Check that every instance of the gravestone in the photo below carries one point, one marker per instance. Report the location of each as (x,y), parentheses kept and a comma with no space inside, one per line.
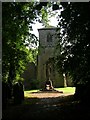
(18,92)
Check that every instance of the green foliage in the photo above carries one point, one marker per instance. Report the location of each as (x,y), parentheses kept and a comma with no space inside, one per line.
(18,41)
(74,43)
(42,8)
(44,16)
(17,19)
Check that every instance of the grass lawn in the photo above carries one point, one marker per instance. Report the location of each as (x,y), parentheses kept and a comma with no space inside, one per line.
(65,90)
(27,92)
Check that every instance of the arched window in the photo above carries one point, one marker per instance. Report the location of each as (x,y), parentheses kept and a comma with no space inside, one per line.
(49,37)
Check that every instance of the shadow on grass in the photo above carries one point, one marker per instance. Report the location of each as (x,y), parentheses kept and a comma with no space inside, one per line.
(60,108)
(30,101)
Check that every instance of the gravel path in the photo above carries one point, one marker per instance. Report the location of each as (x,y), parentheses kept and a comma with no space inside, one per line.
(42,106)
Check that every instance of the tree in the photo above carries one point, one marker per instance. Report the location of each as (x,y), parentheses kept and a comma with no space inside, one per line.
(17,19)
(17,22)
(74,43)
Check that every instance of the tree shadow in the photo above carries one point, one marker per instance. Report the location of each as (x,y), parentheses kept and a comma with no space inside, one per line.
(60,108)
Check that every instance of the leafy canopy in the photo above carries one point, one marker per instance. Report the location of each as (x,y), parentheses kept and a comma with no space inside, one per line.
(17,22)
(73,50)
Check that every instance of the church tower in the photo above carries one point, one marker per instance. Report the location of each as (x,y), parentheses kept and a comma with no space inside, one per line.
(46,68)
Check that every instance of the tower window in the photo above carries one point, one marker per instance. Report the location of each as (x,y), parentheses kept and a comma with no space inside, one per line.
(49,37)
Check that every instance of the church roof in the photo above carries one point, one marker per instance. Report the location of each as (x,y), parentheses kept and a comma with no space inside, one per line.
(48,28)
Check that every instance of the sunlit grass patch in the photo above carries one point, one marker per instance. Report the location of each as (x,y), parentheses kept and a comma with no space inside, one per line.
(67,89)
(28,97)
(28,92)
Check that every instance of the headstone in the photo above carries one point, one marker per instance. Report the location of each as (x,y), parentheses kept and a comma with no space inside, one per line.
(4,94)
(18,93)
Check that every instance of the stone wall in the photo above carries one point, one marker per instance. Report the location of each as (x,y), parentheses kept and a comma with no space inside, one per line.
(30,76)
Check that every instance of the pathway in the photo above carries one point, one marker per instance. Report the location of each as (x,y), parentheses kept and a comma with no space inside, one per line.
(42,106)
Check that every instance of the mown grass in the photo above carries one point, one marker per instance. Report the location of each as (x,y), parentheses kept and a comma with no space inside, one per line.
(65,90)
(27,92)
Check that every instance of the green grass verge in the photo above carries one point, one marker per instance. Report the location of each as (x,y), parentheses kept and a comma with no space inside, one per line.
(67,89)
(30,91)
(27,92)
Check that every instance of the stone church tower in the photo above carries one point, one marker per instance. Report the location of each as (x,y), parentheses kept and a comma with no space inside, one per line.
(45,64)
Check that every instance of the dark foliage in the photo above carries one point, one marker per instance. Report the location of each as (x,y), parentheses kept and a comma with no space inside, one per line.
(74,41)
(73,49)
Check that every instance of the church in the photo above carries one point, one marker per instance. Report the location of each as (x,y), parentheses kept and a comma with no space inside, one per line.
(45,68)
(45,65)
